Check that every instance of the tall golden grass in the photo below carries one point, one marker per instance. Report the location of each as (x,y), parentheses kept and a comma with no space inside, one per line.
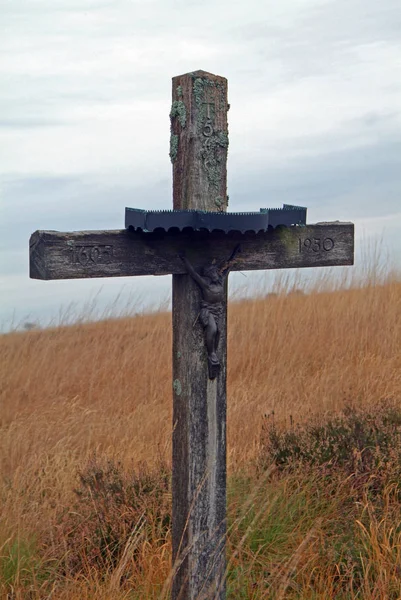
(105,388)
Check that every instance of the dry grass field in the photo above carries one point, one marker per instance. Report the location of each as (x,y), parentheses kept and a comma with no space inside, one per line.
(85,428)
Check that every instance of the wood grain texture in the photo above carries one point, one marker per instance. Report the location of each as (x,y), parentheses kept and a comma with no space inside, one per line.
(199,451)
(83,254)
(199,141)
(199,404)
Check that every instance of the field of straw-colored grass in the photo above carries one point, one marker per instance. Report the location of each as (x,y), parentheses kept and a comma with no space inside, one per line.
(104,388)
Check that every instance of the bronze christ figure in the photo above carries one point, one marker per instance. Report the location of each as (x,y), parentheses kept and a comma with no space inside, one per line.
(212,285)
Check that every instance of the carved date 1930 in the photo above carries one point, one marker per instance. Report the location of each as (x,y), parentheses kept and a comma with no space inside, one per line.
(91,255)
(316,244)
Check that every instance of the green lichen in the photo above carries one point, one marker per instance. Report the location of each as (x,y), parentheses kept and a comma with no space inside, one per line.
(213,158)
(173,147)
(178,110)
(286,237)
(177,387)
(199,90)
(221,202)
(223,98)
(206,115)
(207,109)
(222,137)
(179,91)
(214,143)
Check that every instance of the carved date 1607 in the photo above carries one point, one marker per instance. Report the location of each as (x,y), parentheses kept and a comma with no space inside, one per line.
(91,255)
(316,244)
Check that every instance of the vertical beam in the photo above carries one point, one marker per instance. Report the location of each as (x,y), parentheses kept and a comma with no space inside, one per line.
(199,141)
(198,150)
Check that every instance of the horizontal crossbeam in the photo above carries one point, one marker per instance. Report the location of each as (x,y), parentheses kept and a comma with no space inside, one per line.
(122,253)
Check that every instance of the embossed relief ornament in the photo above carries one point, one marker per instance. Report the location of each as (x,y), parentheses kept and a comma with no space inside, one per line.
(214,143)
(212,286)
(210,153)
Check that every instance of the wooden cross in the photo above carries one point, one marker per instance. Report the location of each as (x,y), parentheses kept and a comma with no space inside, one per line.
(198,151)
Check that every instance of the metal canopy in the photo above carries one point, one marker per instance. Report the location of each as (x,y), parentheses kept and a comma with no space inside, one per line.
(150,220)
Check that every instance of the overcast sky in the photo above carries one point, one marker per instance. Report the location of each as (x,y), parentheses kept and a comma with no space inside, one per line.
(315,119)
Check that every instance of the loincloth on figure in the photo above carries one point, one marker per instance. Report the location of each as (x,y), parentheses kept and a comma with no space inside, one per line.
(207,310)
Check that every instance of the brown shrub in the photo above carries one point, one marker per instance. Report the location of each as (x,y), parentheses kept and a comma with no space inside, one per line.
(114,511)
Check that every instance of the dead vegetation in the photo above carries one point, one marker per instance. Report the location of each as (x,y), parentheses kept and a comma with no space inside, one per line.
(85,428)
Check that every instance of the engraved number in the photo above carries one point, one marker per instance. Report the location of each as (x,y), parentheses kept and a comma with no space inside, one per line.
(328,244)
(208,128)
(87,255)
(315,244)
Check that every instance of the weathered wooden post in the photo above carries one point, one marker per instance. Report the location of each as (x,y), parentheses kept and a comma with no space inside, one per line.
(198,243)
(199,142)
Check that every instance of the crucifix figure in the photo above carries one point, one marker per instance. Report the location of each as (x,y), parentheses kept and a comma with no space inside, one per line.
(157,243)
(212,285)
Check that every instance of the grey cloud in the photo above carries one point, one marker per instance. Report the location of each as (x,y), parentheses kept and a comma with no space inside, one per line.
(60,66)
(322,38)
(70,203)
(316,41)
(13,8)
(375,118)
(17,260)
(356,21)
(349,22)
(347,184)
(29,123)
(325,183)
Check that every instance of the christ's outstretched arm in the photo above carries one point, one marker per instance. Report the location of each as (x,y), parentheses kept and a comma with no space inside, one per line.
(199,280)
(226,269)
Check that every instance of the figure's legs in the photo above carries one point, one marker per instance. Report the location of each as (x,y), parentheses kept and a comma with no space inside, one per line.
(217,338)
(211,334)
